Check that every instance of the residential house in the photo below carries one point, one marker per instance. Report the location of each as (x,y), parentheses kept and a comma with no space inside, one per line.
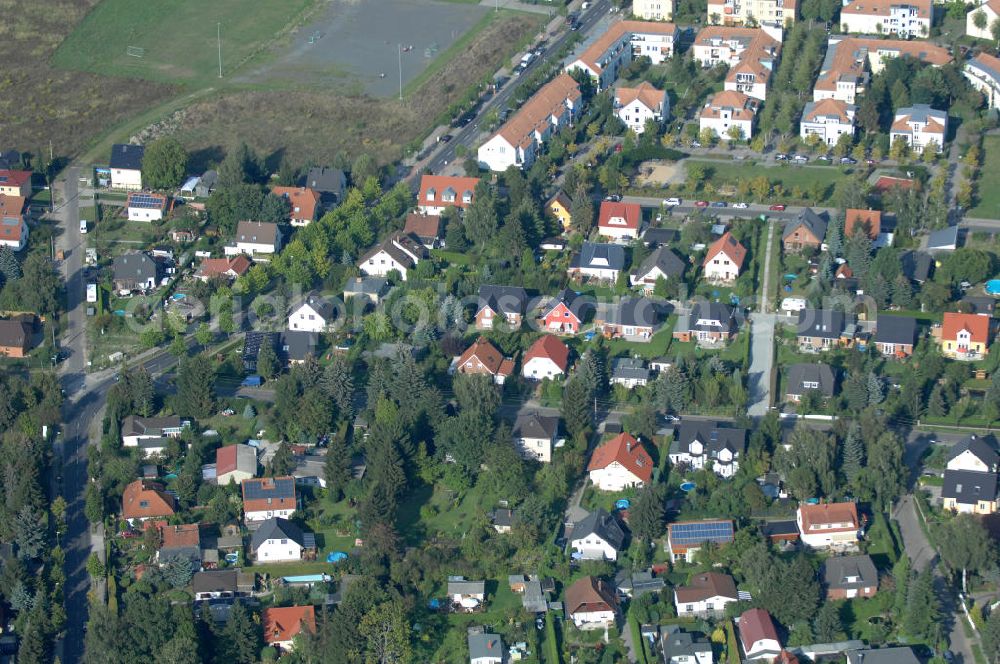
(502,520)
(206,184)
(709,324)
(778,13)
(598,536)
(631,318)
(225,268)
(598,261)
(483,358)
(17,337)
(847,577)
(303,203)
(267,497)
(639,583)
(518,142)
(680,647)
(438,192)
(943,240)
(977,304)
(179,542)
(849,62)
(974,453)
(135,270)
(331,183)
(897,655)
(604,57)
(535,435)
(619,221)
(256,239)
(982,71)
(13,229)
(917,266)
(126,166)
(806,231)
(868,222)
(629,372)
(829,119)
(507,302)
(990,11)
(15,183)
(370,288)
(969,491)
(253,341)
(653,10)
(964,336)
(548,357)
(145,499)
(560,206)
(235,463)
(150,434)
(662,263)
(895,335)
(730,115)
(809,376)
(705,596)
(565,313)
(822,329)
(715,44)
(467,594)
(425,227)
(758,635)
(591,604)
(724,260)
(145,206)
(315,314)
(222,584)
(697,443)
(281,540)
(685,538)
(399,252)
(920,126)
(485,648)
(620,463)
(660,237)
(294,346)
(282,625)
(828,525)
(637,106)
(902,18)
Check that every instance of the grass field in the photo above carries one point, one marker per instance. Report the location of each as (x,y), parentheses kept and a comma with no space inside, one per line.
(804,178)
(988,190)
(187,50)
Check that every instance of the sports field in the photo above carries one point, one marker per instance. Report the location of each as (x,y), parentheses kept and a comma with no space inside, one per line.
(176,41)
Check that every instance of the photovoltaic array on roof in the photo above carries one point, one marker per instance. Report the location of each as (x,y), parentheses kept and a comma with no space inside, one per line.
(689,534)
(283,487)
(145,201)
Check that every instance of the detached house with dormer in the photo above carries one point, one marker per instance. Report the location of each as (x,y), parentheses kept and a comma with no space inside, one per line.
(303,204)
(438,192)
(591,604)
(399,252)
(619,220)
(535,435)
(705,596)
(315,314)
(504,302)
(620,463)
(598,536)
(828,119)
(697,443)
(255,239)
(805,231)
(483,358)
(724,260)
(662,263)
(828,525)
(970,476)
(729,114)
(267,497)
(548,358)
(920,126)
(708,324)
(640,105)
(964,336)
(565,313)
(598,261)
(822,329)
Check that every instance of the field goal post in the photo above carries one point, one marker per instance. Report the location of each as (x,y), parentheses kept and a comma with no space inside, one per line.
(135,51)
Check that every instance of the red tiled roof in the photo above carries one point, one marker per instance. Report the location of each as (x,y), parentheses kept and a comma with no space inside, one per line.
(886,182)
(977,326)
(422,225)
(728,245)
(488,355)
(537,112)
(173,537)
(550,347)
(14,178)
(143,499)
(738,103)
(828,108)
(588,595)
(627,451)
(282,624)
(11,206)
(214,267)
(630,212)
(302,199)
(756,625)
(870,219)
(440,183)
(828,513)
(884,7)
(650,97)
(703,586)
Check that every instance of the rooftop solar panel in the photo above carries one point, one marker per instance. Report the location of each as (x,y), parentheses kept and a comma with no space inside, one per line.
(145,201)
(283,488)
(695,533)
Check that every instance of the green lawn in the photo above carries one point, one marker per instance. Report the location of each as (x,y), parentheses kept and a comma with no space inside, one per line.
(988,190)
(179,38)
(432,510)
(657,346)
(722,173)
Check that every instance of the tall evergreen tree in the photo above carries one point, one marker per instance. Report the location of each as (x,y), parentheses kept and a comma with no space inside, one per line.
(646,518)
(337,467)
(853,455)
(9,265)
(576,406)
(196,387)
(876,389)
(835,235)
(338,383)
(241,637)
(923,609)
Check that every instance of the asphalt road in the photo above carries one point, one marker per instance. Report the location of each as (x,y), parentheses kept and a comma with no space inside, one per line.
(468,135)
(752,209)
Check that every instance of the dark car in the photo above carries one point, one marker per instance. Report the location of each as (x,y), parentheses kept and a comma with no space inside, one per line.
(719,204)
(848,160)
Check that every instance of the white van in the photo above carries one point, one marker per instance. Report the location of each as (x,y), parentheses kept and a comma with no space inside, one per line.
(83,225)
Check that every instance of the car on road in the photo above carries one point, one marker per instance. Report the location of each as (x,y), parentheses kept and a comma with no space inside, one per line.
(848,160)
(777,207)
(870,162)
(701,204)
(781,156)
(825,157)
(740,206)
(614,198)
(539,623)
(800,158)
(445,138)
(719,204)
(671,202)
(695,144)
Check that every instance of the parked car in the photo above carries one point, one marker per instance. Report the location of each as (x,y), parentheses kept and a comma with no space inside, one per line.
(719,204)
(613,197)
(671,202)
(870,162)
(777,207)
(825,157)
(740,206)
(800,158)
(781,156)
(695,144)
(848,160)
(701,204)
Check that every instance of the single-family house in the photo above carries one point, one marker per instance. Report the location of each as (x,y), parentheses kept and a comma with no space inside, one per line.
(535,434)
(680,647)
(206,184)
(281,540)
(438,192)
(828,119)
(685,538)
(235,463)
(758,635)
(828,525)
(560,206)
(591,604)
(895,335)
(897,655)
(598,261)
(425,227)
(465,593)
(13,229)
(179,542)
(982,71)
(17,337)
(969,491)
(222,584)
(315,314)
(143,206)
(724,260)
(598,536)
(697,443)
(705,596)
(485,648)
(294,346)
(267,497)
(15,183)
(126,166)
(639,583)
(920,126)
(662,263)
(730,115)
(565,313)
(964,336)
(629,372)
(502,520)
(548,357)
(821,329)
(639,105)
(135,270)
(905,19)
(145,499)
(225,268)
(619,463)
(150,434)
(370,288)
(253,341)
(917,265)
(631,318)
(399,253)
(803,377)
(619,221)
(868,222)
(708,323)
(974,453)
(256,239)
(483,358)
(846,577)
(331,183)
(507,302)
(660,237)
(282,625)
(303,203)
(806,231)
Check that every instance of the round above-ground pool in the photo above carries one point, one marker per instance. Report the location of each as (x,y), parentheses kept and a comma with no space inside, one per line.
(993,286)
(687,486)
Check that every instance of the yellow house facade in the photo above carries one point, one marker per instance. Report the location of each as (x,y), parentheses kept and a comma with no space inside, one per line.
(980,507)
(559,207)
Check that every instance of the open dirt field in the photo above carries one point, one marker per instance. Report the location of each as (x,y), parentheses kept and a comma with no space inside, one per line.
(659,173)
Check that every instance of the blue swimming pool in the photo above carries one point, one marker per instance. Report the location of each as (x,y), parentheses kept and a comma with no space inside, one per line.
(993,286)
(687,487)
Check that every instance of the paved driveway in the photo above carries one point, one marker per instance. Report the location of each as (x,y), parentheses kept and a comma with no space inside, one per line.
(761,363)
